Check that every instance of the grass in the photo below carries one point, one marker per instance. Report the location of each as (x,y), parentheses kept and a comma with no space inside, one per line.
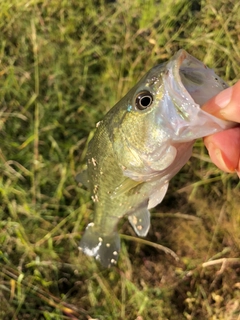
(63,65)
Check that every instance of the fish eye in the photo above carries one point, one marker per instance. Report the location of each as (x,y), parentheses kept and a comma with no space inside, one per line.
(144,100)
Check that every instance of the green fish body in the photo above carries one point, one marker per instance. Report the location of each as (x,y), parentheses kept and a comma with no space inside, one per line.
(141,143)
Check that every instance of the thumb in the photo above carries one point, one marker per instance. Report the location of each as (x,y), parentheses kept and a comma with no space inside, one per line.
(225,105)
(224,147)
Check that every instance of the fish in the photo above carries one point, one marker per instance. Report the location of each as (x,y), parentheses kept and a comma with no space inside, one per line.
(140,144)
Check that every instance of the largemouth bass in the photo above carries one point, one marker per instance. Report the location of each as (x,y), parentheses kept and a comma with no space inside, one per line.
(141,143)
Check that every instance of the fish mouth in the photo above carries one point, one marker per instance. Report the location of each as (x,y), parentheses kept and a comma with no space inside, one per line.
(190,78)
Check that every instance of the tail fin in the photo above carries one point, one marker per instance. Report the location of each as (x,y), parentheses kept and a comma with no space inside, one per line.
(103,248)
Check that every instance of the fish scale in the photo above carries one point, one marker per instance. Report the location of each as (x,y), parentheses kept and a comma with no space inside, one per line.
(107,183)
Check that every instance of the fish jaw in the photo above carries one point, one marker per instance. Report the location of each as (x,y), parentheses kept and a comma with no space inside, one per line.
(189,84)
(194,79)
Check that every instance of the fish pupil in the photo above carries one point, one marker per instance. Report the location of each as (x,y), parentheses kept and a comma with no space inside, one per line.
(144,100)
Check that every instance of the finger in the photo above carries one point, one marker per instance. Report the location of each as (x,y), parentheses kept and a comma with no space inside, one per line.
(225,105)
(224,149)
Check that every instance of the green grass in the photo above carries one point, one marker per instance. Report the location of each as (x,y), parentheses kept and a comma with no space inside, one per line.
(63,65)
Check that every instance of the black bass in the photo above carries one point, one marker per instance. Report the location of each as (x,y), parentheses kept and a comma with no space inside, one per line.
(141,143)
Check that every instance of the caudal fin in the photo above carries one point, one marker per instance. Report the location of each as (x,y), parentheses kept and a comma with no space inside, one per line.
(104,248)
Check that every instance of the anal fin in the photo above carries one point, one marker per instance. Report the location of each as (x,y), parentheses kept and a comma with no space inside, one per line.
(140,221)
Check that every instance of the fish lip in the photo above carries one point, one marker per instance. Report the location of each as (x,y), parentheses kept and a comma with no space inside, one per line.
(175,84)
(188,79)
(188,84)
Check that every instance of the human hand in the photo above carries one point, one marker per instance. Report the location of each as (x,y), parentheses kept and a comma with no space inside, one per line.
(224,147)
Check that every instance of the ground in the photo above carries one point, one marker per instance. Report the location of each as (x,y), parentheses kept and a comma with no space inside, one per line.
(63,65)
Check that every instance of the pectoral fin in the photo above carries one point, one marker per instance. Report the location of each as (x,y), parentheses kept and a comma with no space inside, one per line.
(140,221)
(125,186)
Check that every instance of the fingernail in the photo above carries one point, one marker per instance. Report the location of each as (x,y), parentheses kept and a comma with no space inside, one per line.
(224,97)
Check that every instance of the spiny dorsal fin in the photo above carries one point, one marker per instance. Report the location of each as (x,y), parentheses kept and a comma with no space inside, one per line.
(82,178)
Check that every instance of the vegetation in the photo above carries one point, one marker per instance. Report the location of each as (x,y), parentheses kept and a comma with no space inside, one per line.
(63,65)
